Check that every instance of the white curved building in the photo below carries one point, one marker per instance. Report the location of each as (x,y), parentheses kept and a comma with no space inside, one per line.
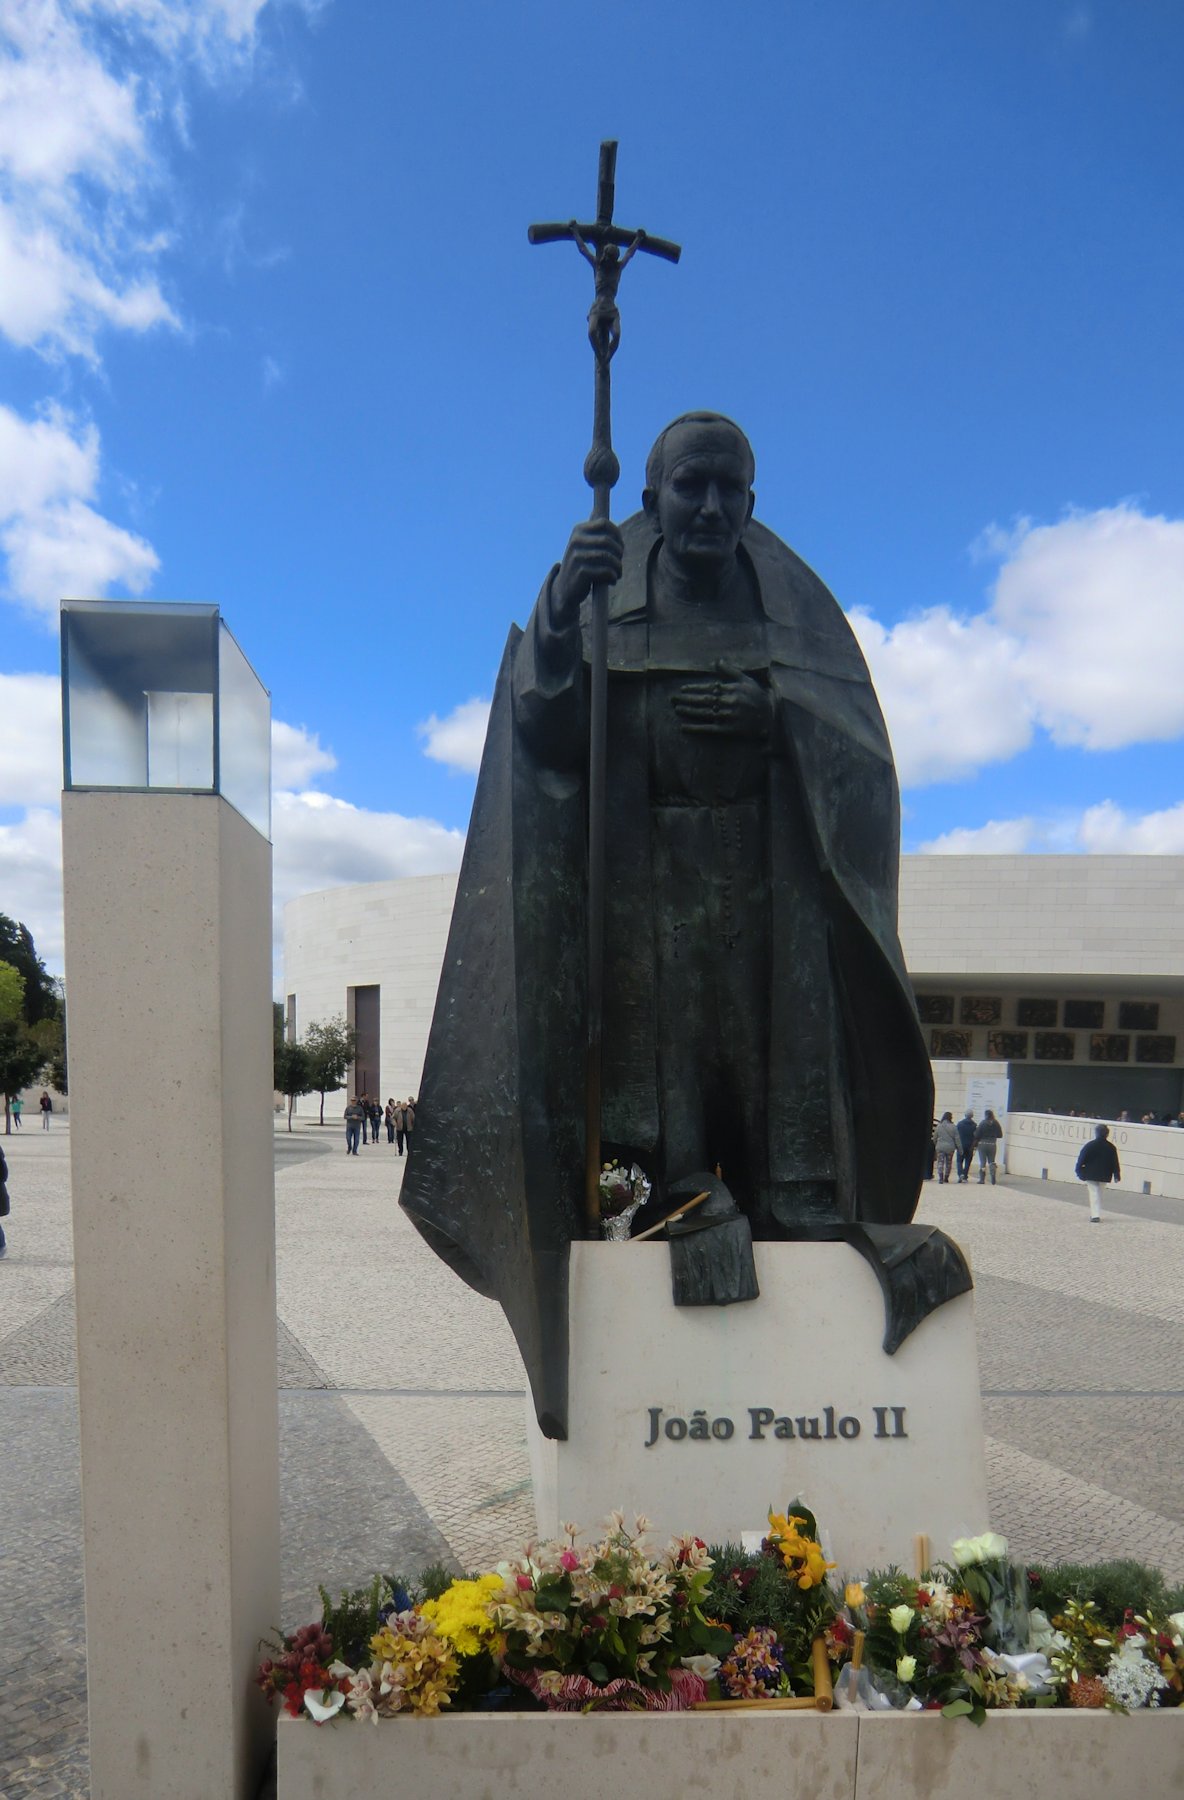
(1058,978)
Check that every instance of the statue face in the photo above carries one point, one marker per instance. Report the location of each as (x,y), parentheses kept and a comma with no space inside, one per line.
(705,499)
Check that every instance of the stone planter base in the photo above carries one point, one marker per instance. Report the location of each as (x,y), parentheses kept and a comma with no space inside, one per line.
(736,1756)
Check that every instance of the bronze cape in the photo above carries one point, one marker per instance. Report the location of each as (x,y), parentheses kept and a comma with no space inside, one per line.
(494,1180)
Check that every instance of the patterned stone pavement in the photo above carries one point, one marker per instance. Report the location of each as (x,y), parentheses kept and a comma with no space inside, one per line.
(402,1411)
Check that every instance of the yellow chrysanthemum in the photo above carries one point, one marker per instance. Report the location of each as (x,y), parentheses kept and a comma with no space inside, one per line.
(461,1614)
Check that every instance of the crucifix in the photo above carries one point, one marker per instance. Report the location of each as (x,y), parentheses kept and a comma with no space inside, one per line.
(601,244)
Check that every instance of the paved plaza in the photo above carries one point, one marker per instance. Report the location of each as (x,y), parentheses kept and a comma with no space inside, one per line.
(402,1414)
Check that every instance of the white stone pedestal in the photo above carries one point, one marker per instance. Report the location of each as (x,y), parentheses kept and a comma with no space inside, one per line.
(704,1417)
(168,969)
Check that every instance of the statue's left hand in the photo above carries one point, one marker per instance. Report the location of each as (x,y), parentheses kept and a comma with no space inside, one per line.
(727,704)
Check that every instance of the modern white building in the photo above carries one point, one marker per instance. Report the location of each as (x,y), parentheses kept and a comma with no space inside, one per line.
(1060,978)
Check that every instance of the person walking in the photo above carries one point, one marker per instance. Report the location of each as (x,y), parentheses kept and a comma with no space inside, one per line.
(945,1141)
(408,1123)
(46,1105)
(364,1103)
(16,1107)
(965,1130)
(4,1208)
(1097,1166)
(986,1138)
(390,1121)
(374,1109)
(355,1118)
(398,1110)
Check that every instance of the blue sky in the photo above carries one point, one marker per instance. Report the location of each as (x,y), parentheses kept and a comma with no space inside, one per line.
(271,335)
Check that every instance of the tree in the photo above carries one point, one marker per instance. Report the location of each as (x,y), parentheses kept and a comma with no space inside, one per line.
(12,992)
(51,1035)
(331,1047)
(42,1000)
(292,1073)
(22,1060)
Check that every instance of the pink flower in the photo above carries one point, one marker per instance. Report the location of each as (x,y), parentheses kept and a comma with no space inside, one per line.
(569,1560)
(524,1581)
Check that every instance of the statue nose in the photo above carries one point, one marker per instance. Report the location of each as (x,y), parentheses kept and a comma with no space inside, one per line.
(711,501)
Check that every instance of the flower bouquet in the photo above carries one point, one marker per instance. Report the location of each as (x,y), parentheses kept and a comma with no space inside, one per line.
(612,1626)
(606,1626)
(778,1604)
(623,1192)
(997,1585)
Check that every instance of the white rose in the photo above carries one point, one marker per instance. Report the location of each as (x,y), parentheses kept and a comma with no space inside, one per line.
(988,1547)
(900,1618)
(906,1667)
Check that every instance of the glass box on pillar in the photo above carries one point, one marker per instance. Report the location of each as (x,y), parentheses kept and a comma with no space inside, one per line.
(158,696)
(167,889)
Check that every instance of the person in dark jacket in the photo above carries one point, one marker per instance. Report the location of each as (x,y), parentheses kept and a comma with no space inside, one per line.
(3,1202)
(965,1131)
(986,1141)
(1097,1166)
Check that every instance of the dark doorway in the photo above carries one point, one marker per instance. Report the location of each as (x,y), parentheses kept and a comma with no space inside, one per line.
(367,1068)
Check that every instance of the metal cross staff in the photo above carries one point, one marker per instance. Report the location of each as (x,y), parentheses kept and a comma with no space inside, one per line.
(600,244)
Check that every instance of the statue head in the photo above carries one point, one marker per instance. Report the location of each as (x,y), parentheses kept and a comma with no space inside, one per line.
(698,489)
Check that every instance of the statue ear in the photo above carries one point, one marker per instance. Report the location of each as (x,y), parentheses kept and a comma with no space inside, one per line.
(649,502)
(751,503)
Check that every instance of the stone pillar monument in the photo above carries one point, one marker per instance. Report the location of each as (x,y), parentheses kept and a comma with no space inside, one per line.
(168,965)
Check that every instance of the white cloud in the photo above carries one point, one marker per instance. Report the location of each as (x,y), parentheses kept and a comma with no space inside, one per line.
(1081,639)
(949,691)
(297,756)
(458,739)
(1106,830)
(71,550)
(1101,830)
(90,91)
(55,542)
(31,878)
(77,170)
(44,460)
(30,742)
(320,842)
(1097,602)
(998,837)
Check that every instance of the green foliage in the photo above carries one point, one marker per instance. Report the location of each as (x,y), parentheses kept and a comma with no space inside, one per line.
(436,1579)
(352,1622)
(42,999)
(12,992)
(1112,1586)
